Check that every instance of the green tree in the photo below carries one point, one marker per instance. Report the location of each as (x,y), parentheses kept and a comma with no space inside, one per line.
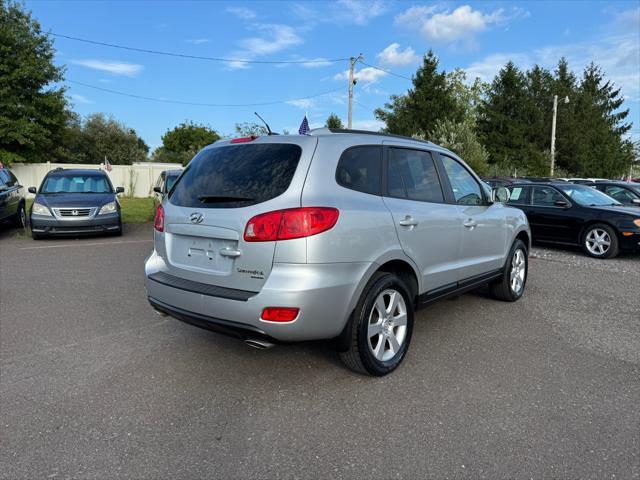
(99,137)
(333,121)
(32,109)
(183,142)
(600,148)
(431,99)
(503,124)
(461,139)
(248,129)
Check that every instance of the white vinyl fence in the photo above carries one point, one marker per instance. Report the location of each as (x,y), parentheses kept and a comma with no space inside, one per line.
(137,179)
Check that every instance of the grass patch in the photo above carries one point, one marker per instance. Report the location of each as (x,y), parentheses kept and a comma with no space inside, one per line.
(137,210)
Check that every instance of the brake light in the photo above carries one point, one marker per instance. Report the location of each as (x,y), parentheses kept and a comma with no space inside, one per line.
(158,222)
(290,224)
(279,314)
(244,139)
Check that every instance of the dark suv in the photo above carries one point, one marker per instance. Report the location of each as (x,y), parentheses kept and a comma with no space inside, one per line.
(12,200)
(73,202)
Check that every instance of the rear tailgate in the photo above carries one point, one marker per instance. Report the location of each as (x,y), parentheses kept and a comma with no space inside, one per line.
(223,188)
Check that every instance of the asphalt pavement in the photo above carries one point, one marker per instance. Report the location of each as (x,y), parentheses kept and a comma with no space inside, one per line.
(94,384)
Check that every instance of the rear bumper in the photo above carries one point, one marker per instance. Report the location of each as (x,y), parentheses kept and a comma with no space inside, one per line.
(322,292)
(55,226)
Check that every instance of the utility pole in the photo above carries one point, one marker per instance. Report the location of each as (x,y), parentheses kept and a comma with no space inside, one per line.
(352,82)
(553,133)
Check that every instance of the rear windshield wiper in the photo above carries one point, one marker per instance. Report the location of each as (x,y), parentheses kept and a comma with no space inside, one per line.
(222,199)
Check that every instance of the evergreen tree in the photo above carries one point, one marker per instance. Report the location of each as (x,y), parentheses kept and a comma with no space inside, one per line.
(333,121)
(182,143)
(431,99)
(600,149)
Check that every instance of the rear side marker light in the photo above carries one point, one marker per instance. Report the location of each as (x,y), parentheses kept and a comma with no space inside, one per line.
(158,222)
(291,223)
(279,314)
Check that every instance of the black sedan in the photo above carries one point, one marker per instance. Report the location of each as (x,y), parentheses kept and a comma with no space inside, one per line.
(627,193)
(75,202)
(578,215)
(12,199)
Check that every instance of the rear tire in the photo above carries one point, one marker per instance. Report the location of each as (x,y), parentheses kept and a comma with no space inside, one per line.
(510,287)
(600,241)
(380,328)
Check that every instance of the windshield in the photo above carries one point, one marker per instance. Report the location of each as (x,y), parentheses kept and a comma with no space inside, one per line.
(76,184)
(587,196)
(237,175)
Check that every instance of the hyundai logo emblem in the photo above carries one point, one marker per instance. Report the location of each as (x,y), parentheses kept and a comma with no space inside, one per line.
(196,217)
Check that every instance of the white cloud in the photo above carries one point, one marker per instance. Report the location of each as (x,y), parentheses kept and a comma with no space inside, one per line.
(488,67)
(371,125)
(115,68)
(76,97)
(198,41)
(439,24)
(316,63)
(393,57)
(303,103)
(274,38)
(243,13)
(360,11)
(366,76)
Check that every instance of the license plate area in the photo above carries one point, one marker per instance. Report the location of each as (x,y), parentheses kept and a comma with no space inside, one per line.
(200,253)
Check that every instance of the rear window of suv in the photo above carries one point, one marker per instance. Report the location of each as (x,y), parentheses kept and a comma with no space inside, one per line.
(237,175)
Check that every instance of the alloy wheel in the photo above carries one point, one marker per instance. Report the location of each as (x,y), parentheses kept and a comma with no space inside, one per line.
(598,241)
(518,271)
(387,327)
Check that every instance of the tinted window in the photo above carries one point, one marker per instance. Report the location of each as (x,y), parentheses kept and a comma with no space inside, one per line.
(171,179)
(546,196)
(359,169)
(621,194)
(466,189)
(412,174)
(76,184)
(237,175)
(520,196)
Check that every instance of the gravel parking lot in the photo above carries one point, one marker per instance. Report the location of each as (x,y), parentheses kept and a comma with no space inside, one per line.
(94,384)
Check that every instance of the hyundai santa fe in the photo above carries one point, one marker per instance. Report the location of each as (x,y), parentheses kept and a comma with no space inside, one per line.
(336,235)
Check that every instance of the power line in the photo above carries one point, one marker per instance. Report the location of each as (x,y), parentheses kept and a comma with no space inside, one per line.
(386,71)
(179,102)
(363,105)
(196,57)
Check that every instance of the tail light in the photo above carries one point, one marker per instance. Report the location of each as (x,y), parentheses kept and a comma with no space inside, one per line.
(279,314)
(158,222)
(290,224)
(244,139)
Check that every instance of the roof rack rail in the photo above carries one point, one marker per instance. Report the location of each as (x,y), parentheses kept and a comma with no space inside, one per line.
(369,132)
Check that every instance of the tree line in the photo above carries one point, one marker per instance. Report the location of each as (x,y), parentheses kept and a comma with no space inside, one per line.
(501,127)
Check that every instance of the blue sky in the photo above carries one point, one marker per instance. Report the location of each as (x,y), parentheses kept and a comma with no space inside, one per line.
(477,36)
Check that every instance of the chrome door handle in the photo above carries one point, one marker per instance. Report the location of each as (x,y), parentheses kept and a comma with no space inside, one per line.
(228,252)
(408,221)
(470,223)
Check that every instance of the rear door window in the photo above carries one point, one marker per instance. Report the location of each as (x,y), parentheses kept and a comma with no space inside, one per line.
(412,174)
(360,169)
(237,175)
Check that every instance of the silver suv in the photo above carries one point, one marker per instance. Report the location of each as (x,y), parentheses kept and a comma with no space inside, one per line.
(336,235)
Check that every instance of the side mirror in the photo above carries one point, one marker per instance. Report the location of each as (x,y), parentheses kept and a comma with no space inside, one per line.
(500,195)
(561,203)
(157,190)
(32,190)
(119,190)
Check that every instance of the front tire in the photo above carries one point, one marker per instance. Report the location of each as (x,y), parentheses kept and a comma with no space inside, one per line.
(600,241)
(381,326)
(514,278)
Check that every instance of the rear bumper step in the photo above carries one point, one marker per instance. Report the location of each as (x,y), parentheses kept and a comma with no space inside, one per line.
(202,288)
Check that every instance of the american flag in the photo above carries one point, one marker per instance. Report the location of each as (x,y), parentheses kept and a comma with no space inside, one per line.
(107,166)
(304,127)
